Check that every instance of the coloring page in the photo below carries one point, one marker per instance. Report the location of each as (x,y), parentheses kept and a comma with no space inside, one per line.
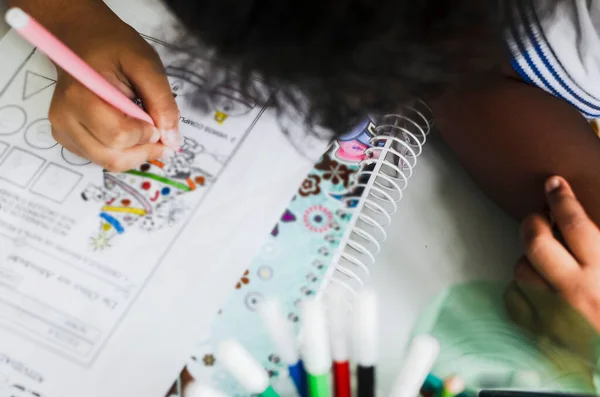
(81,241)
(98,270)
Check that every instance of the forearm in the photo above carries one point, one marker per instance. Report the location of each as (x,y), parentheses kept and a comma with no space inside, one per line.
(510,137)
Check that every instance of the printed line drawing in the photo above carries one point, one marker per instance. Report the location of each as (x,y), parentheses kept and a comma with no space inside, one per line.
(56,183)
(35,84)
(184,81)
(73,159)
(19,167)
(3,147)
(12,119)
(39,135)
(16,73)
(200,151)
(185,200)
(148,198)
(226,101)
(229,102)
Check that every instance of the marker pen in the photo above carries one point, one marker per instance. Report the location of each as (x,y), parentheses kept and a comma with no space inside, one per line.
(338,310)
(366,331)
(422,355)
(244,368)
(315,348)
(282,336)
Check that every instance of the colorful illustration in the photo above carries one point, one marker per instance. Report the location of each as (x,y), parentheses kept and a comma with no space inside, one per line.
(351,147)
(148,198)
(292,265)
(318,219)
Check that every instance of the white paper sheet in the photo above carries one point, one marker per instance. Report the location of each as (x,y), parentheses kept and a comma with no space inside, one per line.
(106,281)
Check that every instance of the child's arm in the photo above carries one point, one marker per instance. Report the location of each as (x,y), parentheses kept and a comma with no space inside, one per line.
(511,136)
(82,122)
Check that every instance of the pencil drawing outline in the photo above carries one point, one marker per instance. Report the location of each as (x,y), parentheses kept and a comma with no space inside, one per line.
(31,177)
(39,90)
(83,162)
(70,191)
(30,142)
(23,122)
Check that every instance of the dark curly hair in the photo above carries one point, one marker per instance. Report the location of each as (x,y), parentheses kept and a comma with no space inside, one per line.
(344,59)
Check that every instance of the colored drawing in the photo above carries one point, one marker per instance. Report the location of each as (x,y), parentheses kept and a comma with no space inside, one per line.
(287,217)
(318,219)
(148,199)
(351,147)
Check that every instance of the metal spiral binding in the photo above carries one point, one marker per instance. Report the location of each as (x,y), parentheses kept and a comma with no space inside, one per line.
(378,186)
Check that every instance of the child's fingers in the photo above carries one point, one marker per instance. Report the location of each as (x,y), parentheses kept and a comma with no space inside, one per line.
(138,155)
(152,85)
(115,129)
(79,140)
(109,125)
(111,159)
(581,235)
(548,256)
(524,272)
(67,143)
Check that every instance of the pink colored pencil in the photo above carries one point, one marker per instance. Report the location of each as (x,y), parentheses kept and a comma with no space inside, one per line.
(61,55)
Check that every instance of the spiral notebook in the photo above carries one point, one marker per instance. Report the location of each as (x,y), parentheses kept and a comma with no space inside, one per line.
(330,233)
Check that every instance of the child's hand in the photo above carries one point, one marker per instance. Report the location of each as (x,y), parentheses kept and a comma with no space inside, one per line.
(570,263)
(556,292)
(86,125)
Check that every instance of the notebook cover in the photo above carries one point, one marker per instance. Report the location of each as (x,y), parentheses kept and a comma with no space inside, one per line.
(291,266)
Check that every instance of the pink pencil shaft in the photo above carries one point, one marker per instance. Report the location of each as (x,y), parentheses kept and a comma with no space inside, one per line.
(61,55)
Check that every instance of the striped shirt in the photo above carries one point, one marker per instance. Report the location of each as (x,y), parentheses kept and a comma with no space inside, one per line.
(556,46)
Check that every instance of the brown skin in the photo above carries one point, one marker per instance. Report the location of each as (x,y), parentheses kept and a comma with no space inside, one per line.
(567,262)
(511,136)
(82,122)
(555,292)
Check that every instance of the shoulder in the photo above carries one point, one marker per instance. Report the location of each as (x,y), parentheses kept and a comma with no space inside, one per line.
(555,45)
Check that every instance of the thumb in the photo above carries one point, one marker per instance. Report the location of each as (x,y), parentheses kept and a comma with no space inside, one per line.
(152,85)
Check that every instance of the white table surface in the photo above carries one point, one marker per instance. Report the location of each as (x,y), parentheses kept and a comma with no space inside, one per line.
(445,231)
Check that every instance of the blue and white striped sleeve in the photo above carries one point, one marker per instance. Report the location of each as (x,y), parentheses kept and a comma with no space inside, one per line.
(556,46)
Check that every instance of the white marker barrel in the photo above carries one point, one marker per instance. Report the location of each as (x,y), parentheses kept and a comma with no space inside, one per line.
(315,343)
(195,389)
(422,355)
(338,316)
(243,367)
(366,329)
(280,330)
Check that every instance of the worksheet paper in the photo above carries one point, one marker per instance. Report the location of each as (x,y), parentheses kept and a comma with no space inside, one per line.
(107,280)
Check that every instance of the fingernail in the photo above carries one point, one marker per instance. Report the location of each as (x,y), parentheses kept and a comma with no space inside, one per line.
(172,139)
(155,136)
(167,154)
(552,185)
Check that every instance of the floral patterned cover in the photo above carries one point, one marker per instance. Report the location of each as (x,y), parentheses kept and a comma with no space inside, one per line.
(291,265)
